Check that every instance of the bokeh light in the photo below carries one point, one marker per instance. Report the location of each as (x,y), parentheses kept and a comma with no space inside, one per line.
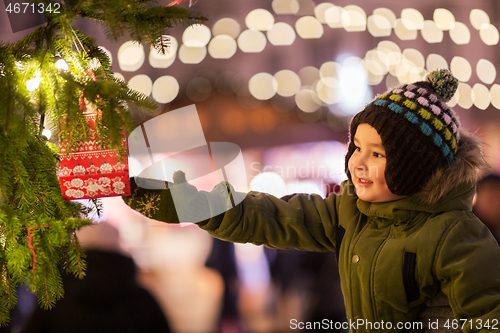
(388,14)
(391,82)
(353,18)
(376,62)
(319,11)
(479,19)
(392,53)
(416,58)
(461,68)
(464,95)
(308,27)
(285,7)
(62,64)
(288,83)
(327,90)
(480,96)
(486,71)
(353,90)
(222,47)
(431,33)
(119,76)
(444,18)
(325,87)
(192,55)
(197,35)
(333,16)
(263,86)
(373,79)
(379,26)
(435,61)
(495,95)
(412,19)
(460,34)
(165,89)
(402,32)
(329,69)
(165,60)
(47,133)
(131,56)
(309,75)
(252,41)
(489,34)
(281,33)
(408,71)
(307,100)
(226,26)
(141,83)
(259,19)
(306,7)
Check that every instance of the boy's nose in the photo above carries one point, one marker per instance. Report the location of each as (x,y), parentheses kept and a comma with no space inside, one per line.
(359,162)
(360,171)
(358,165)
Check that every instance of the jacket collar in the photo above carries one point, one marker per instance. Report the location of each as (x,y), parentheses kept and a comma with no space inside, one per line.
(404,210)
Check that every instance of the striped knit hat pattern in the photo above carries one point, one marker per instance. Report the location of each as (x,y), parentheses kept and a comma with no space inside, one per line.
(419,131)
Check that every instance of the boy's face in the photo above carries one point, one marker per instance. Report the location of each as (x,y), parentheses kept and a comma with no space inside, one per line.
(367,166)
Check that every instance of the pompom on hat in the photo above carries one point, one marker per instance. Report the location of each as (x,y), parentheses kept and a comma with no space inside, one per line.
(419,131)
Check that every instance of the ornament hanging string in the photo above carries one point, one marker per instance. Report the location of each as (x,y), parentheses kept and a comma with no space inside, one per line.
(30,244)
(176,2)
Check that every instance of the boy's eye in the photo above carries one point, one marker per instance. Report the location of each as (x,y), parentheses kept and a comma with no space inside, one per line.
(378,155)
(357,148)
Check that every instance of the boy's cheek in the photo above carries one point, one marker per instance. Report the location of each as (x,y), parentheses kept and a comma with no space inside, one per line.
(375,172)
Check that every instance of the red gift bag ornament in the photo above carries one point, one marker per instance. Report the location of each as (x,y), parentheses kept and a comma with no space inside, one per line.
(90,172)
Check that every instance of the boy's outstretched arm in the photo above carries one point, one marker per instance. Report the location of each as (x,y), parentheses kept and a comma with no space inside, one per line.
(306,222)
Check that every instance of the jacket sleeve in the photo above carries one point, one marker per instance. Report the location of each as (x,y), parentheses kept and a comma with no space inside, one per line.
(468,266)
(305,222)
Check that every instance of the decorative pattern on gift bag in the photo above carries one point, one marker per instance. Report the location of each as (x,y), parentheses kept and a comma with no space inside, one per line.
(90,172)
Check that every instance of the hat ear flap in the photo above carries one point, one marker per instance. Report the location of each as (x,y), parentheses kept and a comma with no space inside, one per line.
(350,150)
(351,147)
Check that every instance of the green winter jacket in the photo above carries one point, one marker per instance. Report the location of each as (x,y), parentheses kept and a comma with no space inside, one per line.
(393,256)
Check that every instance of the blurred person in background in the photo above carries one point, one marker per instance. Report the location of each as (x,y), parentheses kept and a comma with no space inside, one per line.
(487,203)
(222,259)
(310,279)
(108,299)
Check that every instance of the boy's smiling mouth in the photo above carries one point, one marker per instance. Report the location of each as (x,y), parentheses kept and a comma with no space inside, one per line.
(364,182)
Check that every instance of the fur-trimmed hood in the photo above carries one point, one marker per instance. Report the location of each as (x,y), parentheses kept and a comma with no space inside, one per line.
(464,169)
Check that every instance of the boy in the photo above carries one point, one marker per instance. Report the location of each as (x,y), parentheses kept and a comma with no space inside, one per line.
(402,225)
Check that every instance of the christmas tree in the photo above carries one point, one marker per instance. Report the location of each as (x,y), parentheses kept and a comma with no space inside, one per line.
(44,79)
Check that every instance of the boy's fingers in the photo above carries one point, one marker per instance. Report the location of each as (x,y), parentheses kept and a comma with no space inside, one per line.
(179,177)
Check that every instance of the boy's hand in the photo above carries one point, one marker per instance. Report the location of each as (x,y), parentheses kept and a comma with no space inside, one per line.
(152,198)
(167,202)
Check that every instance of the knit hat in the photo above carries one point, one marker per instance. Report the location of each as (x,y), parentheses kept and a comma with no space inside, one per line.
(419,131)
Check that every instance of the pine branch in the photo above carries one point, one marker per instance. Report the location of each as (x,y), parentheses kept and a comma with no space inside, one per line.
(37,227)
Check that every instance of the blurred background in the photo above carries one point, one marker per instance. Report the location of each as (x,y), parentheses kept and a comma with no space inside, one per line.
(282,79)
